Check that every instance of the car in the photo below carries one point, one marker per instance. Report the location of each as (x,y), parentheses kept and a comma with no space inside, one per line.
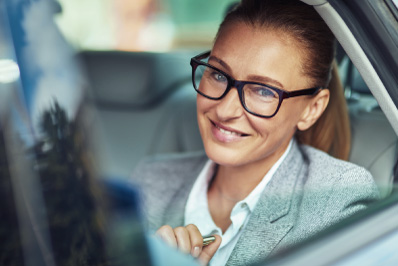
(72,90)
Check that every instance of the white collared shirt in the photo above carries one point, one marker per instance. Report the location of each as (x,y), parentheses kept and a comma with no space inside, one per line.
(197,210)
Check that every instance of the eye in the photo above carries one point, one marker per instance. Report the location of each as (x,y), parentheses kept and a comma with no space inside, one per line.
(218,76)
(264,92)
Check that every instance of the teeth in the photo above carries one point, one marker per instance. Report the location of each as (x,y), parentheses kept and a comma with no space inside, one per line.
(228,132)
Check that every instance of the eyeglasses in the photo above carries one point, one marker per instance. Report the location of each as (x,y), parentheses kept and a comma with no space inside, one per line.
(256,98)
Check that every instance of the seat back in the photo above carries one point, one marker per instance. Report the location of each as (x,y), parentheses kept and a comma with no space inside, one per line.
(374,146)
(374,142)
(145,104)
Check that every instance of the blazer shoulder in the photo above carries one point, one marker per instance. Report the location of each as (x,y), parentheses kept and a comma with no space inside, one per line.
(329,190)
(326,169)
(169,164)
(164,179)
(335,189)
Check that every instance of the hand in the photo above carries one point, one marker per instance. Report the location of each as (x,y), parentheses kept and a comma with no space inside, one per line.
(189,240)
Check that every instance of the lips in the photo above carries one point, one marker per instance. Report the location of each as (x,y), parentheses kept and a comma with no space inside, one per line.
(226,134)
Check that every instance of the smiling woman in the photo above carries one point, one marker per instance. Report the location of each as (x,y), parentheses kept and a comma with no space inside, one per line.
(258,187)
(260,141)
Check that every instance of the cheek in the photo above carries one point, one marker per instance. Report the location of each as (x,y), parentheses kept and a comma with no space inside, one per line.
(282,124)
(261,126)
(289,114)
(200,104)
(203,106)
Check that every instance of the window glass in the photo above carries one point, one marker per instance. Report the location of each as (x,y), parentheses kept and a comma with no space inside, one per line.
(103,217)
(395,3)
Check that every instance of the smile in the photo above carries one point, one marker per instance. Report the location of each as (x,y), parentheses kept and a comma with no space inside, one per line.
(226,134)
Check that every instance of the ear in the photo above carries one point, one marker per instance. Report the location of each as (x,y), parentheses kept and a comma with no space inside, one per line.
(314,110)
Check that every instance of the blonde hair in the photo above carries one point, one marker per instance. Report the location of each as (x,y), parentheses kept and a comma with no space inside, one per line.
(331,133)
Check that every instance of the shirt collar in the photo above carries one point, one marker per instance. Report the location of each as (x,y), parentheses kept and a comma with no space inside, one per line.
(197,210)
(252,199)
(197,200)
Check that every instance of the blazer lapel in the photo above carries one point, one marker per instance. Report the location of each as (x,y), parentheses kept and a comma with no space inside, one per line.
(265,228)
(174,213)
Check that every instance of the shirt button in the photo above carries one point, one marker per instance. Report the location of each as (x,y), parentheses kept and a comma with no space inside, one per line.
(243,205)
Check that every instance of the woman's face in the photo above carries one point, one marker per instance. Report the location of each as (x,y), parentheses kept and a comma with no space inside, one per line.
(232,136)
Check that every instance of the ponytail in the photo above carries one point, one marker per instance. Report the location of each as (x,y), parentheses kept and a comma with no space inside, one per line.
(331,133)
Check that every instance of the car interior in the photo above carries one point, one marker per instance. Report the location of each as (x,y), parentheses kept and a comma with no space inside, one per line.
(146,105)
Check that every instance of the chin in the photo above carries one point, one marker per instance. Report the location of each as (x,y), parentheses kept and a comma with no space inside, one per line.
(224,157)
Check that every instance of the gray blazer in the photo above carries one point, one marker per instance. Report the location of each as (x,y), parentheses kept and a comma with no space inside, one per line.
(309,192)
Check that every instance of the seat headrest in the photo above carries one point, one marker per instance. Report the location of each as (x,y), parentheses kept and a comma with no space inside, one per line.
(134,78)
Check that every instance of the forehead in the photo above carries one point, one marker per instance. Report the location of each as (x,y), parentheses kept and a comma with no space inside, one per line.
(251,50)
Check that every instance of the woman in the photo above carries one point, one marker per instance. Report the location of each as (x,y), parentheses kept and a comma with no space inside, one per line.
(263,91)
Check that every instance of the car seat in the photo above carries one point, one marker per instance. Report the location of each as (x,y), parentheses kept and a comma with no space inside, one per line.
(374,142)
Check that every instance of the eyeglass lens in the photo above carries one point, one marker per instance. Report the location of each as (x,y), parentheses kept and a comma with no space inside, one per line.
(258,99)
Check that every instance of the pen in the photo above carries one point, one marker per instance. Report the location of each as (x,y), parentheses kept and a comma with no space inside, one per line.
(207,240)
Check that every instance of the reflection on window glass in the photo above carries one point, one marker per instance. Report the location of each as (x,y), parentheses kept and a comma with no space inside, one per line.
(54,210)
(140,25)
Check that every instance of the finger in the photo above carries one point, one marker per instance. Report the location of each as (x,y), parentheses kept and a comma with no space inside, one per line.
(183,239)
(209,251)
(196,240)
(166,233)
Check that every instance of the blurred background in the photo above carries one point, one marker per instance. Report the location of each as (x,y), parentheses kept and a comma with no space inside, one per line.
(140,25)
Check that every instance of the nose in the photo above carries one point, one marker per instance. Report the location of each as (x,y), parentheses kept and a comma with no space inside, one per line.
(229,107)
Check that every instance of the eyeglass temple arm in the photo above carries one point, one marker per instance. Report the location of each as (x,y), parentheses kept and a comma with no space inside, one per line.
(202,55)
(310,91)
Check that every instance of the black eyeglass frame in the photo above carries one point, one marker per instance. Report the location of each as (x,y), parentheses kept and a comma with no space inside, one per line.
(239,84)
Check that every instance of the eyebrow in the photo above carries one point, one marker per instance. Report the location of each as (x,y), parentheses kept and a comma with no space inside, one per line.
(257,78)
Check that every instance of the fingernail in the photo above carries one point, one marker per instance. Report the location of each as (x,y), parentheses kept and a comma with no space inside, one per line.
(196,252)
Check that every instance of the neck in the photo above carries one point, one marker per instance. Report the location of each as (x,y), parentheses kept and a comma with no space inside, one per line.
(237,182)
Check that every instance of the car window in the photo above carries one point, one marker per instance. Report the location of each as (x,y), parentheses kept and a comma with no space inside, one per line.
(136,101)
(395,3)
(53,211)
